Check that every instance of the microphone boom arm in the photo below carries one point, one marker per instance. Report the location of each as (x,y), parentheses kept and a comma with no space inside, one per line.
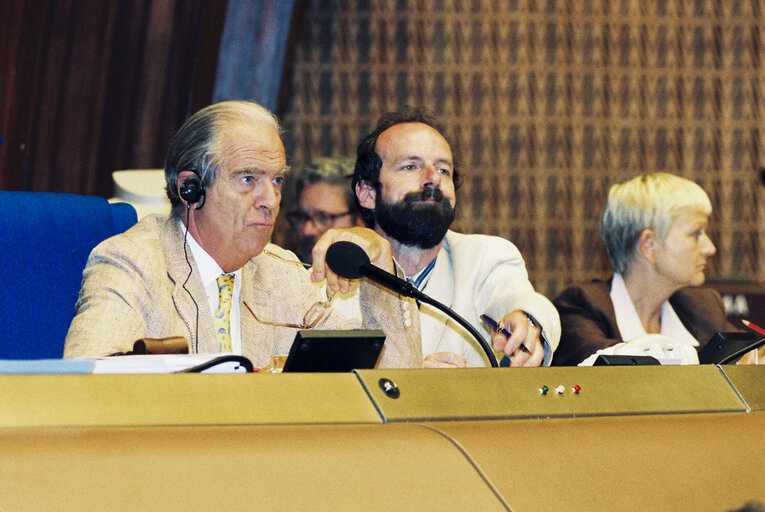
(464,323)
(348,260)
(407,289)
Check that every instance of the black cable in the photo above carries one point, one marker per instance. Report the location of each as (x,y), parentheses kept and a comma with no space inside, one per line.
(464,323)
(191,271)
(246,363)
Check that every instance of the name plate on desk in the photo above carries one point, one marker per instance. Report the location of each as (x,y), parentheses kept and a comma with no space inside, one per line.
(490,393)
(182,399)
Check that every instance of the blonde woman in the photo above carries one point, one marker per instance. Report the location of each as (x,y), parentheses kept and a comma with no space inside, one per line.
(654,227)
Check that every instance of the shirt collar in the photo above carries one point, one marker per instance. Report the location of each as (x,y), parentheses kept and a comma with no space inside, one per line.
(628,321)
(421,278)
(209,270)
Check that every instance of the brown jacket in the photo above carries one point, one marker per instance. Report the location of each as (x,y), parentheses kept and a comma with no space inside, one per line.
(133,287)
(588,320)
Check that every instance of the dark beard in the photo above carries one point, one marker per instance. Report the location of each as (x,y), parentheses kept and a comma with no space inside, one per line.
(415,223)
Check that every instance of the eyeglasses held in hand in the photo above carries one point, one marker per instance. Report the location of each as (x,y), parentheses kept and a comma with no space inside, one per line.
(315,313)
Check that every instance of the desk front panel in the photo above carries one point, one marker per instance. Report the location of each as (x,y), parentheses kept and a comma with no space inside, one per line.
(698,462)
(182,399)
(749,382)
(286,467)
(317,442)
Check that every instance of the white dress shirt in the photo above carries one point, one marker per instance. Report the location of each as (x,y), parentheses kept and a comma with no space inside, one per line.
(210,271)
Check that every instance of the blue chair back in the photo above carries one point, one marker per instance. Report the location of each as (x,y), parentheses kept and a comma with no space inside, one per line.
(45,240)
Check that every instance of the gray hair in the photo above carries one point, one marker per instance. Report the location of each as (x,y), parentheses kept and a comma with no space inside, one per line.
(332,171)
(195,145)
(648,201)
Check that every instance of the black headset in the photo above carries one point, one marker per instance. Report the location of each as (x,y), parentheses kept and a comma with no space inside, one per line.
(192,191)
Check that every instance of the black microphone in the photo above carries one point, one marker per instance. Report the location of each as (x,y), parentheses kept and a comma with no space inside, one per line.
(348,260)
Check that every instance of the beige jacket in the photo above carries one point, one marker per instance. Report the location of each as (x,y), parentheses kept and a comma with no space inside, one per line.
(133,288)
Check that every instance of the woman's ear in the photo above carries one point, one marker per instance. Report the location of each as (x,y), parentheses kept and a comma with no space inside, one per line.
(647,245)
(367,195)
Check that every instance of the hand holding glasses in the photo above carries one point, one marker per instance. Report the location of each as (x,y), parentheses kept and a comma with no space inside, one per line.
(315,312)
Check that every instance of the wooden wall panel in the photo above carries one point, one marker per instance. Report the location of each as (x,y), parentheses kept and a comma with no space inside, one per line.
(547,104)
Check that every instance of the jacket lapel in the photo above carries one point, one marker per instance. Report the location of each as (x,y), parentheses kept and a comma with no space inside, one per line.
(196,316)
(257,339)
(440,287)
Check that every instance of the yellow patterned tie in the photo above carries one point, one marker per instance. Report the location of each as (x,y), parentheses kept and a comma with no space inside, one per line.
(222,316)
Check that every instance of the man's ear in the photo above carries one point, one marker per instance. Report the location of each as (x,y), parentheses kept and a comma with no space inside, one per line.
(190,190)
(647,245)
(367,195)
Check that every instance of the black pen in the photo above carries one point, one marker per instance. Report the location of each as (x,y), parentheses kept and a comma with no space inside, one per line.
(495,327)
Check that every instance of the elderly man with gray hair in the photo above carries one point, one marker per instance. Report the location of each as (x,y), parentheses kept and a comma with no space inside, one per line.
(654,227)
(208,273)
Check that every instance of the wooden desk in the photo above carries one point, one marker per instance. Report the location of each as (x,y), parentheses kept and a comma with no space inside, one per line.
(274,445)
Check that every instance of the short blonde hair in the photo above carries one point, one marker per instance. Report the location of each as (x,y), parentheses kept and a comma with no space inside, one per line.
(647,201)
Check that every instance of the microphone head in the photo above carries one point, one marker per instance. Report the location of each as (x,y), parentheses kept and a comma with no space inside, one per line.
(345,259)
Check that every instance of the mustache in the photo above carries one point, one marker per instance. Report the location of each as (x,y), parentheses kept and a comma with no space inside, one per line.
(413,222)
(424,195)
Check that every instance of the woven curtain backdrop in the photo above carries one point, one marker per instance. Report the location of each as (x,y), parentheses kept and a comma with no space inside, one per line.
(548,103)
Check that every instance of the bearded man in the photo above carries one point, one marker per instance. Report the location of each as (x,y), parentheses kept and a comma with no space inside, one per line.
(405,180)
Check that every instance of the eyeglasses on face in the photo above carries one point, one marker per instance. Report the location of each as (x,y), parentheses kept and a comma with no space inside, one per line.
(321,220)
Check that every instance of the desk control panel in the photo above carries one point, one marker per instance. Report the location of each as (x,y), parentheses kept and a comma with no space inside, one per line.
(375,396)
(418,395)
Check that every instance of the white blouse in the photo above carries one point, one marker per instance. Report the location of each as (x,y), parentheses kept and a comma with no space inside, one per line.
(628,321)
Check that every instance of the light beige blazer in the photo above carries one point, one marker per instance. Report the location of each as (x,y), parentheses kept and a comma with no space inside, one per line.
(133,288)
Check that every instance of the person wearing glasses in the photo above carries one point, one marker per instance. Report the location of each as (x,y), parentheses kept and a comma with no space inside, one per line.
(208,274)
(324,201)
(405,182)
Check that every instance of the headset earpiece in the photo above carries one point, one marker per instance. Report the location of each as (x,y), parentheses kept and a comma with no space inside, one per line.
(192,191)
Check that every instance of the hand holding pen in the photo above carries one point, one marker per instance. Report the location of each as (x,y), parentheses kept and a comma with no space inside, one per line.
(518,337)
